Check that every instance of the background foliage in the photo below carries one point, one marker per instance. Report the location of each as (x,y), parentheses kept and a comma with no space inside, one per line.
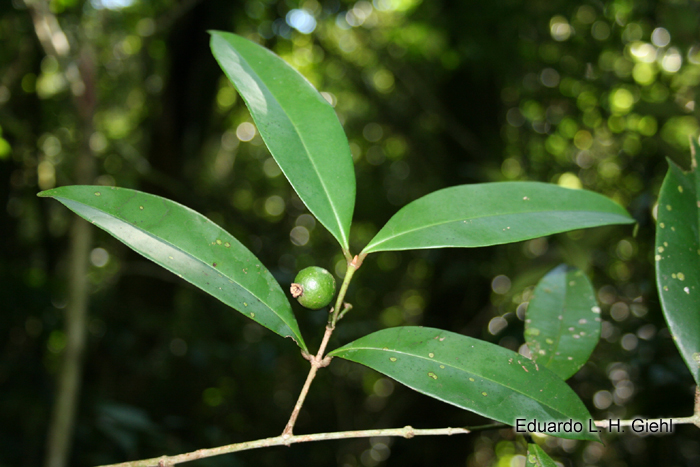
(431,94)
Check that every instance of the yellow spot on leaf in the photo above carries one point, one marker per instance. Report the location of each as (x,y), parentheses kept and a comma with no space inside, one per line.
(227,245)
(218,242)
(431,355)
(662,225)
(141,208)
(97,193)
(471,379)
(245,304)
(432,375)
(681,276)
(669,207)
(660,249)
(393,359)
(484,394)
(680,189)
(252,315)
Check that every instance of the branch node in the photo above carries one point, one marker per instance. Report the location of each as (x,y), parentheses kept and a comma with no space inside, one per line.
(325,362)
(408,432)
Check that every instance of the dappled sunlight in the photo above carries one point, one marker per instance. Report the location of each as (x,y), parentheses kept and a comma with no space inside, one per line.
(431,95)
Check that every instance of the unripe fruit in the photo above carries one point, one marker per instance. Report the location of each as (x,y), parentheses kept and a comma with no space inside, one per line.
(313,287)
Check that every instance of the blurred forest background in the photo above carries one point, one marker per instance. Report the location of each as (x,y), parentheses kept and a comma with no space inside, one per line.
(590,94)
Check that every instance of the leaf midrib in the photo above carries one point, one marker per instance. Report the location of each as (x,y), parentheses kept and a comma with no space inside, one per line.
(456,368)
(406,232)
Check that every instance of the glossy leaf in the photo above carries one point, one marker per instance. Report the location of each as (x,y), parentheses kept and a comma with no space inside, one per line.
(562,325)
(536,457)
(494,213)
(469,373)
(189,245)
(299,127)
(678,261)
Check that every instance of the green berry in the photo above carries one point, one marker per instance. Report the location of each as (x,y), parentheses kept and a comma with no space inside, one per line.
(313,287)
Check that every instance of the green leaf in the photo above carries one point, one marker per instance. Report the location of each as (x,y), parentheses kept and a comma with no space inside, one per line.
(536,457)
(562,325)
(678,261)
(494,213)
(469,373)
(189,245)
(298,125)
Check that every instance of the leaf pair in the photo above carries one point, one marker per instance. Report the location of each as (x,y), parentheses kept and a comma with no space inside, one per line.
(306,139)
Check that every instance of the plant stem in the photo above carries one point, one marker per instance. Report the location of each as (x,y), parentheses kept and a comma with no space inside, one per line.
(405,432)
(316,363)
(353,266)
